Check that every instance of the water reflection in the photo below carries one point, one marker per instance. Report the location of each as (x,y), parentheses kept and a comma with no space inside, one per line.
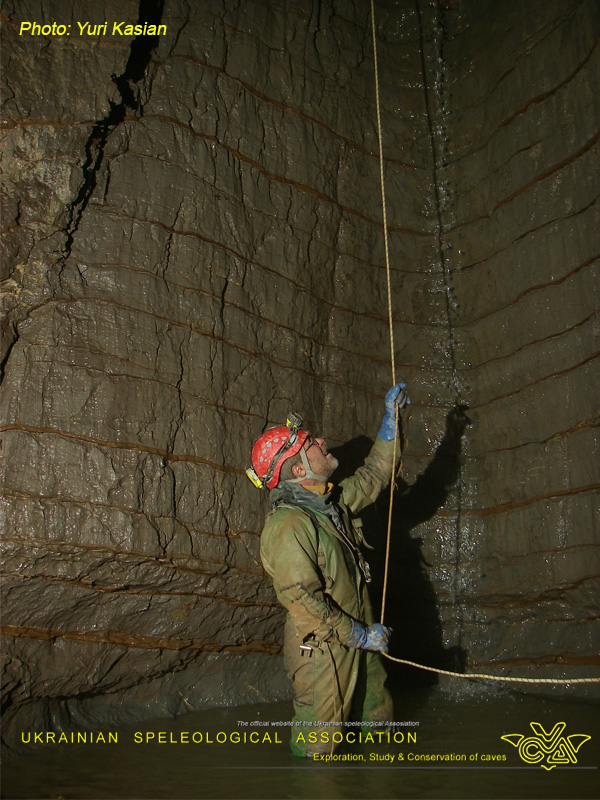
(461,719)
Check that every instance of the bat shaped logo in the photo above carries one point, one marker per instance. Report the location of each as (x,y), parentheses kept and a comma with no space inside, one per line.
(551,748)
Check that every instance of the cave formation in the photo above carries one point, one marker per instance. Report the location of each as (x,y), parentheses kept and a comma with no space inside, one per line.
(193,247)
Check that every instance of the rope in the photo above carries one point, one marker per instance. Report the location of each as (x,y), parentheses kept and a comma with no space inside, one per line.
(389,303)
(382,182)
(484,676)
(478,675)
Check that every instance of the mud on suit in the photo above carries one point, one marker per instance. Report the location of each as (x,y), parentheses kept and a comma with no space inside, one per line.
(310,547)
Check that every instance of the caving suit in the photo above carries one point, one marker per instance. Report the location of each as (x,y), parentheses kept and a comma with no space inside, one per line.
(310,546)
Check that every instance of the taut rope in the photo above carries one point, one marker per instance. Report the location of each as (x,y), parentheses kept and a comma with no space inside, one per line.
(389,298)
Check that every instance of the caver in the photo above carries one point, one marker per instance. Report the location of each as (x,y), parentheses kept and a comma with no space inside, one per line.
(312,546)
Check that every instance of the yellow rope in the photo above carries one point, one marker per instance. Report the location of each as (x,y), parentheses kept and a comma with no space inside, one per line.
(382,182)
(479,676)
(389,298)
(483,676)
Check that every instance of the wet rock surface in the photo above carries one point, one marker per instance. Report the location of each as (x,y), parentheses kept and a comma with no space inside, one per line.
(519,220)
(192,248)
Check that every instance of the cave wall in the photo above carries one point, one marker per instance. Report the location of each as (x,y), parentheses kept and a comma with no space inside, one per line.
(518,150)
(193,247)
(513,99)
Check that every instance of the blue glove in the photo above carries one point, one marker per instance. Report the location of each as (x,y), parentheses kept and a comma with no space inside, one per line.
(397,396)
(374,637)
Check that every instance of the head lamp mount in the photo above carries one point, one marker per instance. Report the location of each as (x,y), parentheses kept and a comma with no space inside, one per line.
(293,422)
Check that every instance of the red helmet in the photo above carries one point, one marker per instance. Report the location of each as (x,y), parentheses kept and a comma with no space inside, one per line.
(271,450)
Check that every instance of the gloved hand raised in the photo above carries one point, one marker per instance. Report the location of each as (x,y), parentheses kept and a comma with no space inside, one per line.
(372,637)
(396,397)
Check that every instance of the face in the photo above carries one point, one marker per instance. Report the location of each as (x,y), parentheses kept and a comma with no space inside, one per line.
(321,461)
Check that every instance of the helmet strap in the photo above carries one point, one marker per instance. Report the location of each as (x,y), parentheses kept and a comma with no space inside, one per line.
(309,474)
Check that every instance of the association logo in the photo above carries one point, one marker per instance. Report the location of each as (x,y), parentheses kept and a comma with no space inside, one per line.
(548,749)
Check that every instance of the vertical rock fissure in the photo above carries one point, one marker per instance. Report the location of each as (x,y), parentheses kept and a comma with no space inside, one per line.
(150,11)
(438,142)
(12,336)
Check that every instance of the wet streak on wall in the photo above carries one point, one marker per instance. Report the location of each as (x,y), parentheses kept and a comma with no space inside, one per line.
(226,266)
(516,148)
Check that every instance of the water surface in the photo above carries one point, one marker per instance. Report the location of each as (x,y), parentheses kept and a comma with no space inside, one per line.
(456,722)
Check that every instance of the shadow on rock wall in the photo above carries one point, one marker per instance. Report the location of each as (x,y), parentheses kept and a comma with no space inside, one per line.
(411,604)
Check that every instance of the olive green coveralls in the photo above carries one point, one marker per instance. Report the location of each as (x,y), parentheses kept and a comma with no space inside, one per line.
(318,577)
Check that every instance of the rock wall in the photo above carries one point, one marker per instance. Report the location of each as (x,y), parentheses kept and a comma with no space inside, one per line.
(515,116)
(193,247)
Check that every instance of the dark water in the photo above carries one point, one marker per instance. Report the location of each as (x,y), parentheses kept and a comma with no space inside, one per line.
(452,721)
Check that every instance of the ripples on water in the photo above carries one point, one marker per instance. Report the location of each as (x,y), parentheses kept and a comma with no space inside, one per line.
(456,719)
